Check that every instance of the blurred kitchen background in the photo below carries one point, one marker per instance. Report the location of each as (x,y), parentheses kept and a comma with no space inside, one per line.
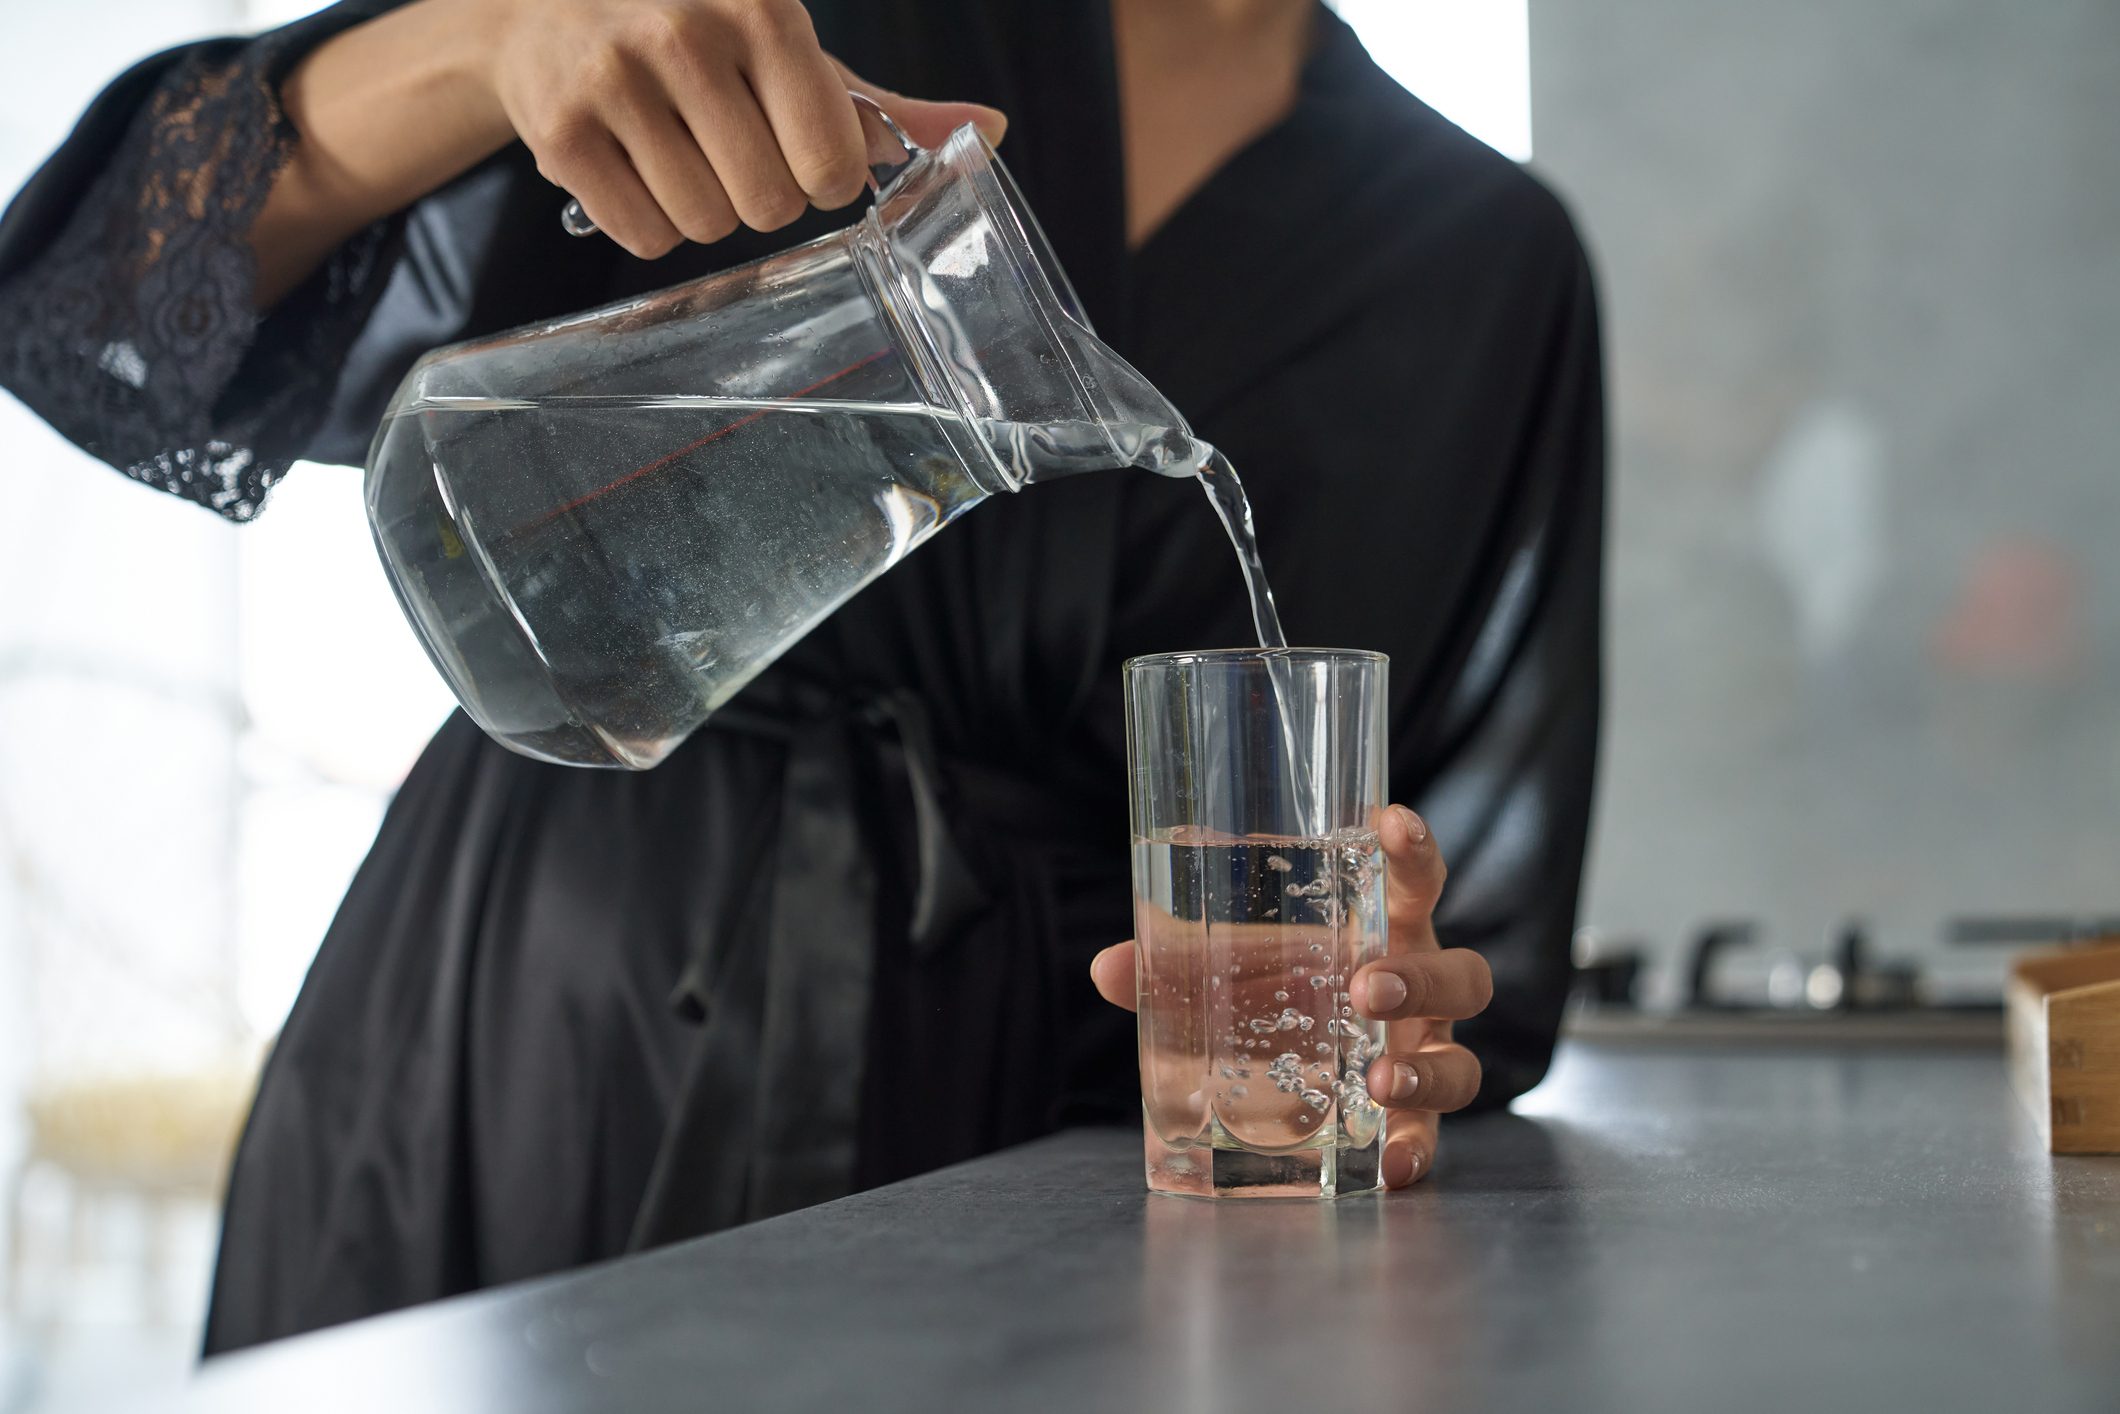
(1860,284)
(1861,280)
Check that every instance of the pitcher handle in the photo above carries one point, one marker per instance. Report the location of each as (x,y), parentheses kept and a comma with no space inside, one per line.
(575,221)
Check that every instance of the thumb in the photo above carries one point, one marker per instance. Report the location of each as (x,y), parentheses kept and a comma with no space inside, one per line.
(1113,973)
(925,122)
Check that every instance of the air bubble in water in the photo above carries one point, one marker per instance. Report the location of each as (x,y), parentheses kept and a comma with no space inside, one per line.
(1318,981)
(1279,865)
(1280,996)
(1238,1092)
(1304,1023)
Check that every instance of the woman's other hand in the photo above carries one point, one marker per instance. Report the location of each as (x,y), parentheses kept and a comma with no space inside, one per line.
(675,120)
(1418,988)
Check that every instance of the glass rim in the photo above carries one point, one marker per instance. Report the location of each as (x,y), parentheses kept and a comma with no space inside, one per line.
(1208,657)
(1036,261)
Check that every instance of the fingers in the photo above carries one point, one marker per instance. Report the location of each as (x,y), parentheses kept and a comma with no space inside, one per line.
(815,128)
(1440,1079)
(678,176)
(597,172)
(1113,973)
(1409,1147)
(1424,1076)
(726,124)
(679,119)
(1414,872)
(1448,984)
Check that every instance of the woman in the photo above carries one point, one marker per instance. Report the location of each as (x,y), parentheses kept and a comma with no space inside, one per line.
(839,937)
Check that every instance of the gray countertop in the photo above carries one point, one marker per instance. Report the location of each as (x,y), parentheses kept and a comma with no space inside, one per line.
(1703,1229)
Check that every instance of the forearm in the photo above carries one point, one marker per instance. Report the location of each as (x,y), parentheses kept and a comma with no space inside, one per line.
(387,112)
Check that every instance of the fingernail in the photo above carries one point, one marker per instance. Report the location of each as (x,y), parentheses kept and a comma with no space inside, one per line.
(1400,1165)
(1382,992)
(1416,827)
(1404,1081)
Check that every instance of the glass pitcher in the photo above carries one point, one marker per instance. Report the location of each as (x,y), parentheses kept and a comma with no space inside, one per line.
(603,527)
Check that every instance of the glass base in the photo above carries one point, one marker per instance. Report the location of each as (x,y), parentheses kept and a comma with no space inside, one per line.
(1206,1171)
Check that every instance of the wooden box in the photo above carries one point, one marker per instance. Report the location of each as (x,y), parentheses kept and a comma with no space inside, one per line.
(2064,1030)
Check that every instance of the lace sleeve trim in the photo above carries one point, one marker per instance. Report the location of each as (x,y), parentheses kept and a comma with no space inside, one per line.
(130,332)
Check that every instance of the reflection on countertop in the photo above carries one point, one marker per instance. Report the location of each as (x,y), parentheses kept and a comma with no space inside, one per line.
(1979,1028)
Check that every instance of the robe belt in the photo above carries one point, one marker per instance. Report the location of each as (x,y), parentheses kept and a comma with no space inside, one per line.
(768,1114)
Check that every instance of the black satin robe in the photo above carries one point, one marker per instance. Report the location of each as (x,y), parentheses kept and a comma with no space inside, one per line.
(841,936)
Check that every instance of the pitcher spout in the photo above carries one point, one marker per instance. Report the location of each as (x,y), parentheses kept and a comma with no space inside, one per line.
(994,330)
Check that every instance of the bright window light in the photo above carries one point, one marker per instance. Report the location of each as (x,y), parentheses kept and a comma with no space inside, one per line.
(1470,60)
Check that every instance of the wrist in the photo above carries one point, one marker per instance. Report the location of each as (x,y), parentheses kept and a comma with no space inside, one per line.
(460,45)
(478,35)
(392,108)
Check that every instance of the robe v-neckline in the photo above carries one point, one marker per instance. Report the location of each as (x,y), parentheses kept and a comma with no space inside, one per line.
(1197,283)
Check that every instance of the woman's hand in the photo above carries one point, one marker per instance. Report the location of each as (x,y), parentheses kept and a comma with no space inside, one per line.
(669,119)
(674,120)
(1418,987)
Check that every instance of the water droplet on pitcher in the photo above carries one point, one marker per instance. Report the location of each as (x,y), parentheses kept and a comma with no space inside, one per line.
(1238,1092)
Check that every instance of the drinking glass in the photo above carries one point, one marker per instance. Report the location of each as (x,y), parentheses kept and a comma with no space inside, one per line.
(1256,784)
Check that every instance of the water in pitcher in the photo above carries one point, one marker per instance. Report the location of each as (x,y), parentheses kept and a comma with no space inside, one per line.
(1248,1037)
(660,552)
